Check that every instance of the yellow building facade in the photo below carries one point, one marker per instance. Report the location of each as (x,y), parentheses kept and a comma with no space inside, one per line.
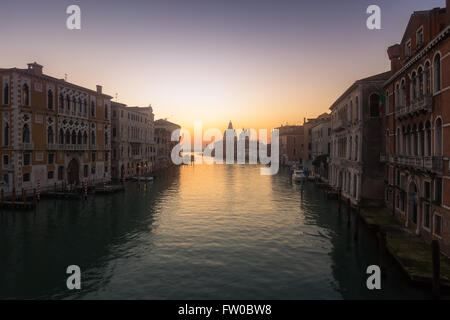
(52,132)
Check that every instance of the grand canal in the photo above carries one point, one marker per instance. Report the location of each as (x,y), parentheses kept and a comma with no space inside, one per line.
(196,232)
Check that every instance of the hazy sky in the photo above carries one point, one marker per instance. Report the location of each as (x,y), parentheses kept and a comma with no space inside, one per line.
(259,63)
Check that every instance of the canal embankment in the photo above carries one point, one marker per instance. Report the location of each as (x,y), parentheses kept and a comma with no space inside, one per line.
(412,253)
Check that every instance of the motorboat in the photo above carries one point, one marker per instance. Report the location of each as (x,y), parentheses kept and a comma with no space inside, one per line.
(299,176)
(143,179)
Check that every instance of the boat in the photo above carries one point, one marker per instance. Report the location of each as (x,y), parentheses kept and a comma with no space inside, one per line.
(143,179)
(299,176)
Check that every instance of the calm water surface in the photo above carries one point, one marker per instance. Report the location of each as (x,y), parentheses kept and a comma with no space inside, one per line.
(197,232)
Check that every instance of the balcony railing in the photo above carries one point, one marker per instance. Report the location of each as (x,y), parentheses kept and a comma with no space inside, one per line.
(423,103)
(434,163)
(27,146)
(340,124)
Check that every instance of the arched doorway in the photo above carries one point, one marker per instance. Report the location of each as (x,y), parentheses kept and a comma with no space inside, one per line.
(73,174)
(413,202)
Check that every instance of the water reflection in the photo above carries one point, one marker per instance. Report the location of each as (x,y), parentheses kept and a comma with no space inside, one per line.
(196,232)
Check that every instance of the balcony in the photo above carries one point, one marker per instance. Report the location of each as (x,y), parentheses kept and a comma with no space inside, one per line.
(27,146)
(340,124)
(423,103)
(434,164)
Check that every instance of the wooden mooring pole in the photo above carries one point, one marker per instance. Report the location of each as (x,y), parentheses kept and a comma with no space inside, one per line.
(381,235)
(436,256)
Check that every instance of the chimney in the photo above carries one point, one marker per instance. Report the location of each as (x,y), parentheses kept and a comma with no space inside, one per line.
(35,67)
(394,56)
(99,89)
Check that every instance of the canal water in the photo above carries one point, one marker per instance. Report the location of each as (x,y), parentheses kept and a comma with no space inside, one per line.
(196,232)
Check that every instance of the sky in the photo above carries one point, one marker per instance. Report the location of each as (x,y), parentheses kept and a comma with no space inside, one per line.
(258,63)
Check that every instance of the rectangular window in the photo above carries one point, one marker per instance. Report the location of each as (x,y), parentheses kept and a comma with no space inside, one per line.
(50,175)
(26,177)
(5,160)
(86,170)
(419,38)
(60,173)
(438,191)
(51,158)
(408,49)
(26,159)
(93,156)
(437,225)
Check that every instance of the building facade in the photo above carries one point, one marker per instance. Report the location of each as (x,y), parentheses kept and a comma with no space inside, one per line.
(417,126)
(52,131)
(291,145)
(321,145)
(133,141)
(356,140)
(164,144)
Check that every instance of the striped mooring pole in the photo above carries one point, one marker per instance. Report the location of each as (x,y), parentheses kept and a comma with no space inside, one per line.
(38,193)
(85,188)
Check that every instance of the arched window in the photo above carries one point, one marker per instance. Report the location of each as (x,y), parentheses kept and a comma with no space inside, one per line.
(356,149)
(106,111)
(397,142)
(50,99)
(408,141)
(397,97)
(74,106)
(106,138)
(351,110)
(421,140)
(357,108)
(6,135)
(438,138)
(403,94)
(74,137)
(415,141)
(374,102)
(350,149)
(80,138)
(68,102)
(92,109)
(427,81)
(61,136)
(50,136)
(26,134)
(428,139)
(404,141)
(6,94)
(437,73)
(67,137)
(85,107)
(61,102)
(421,81)
(85,138)
(26,94)
(80,108)
(413,87)
(93,138)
